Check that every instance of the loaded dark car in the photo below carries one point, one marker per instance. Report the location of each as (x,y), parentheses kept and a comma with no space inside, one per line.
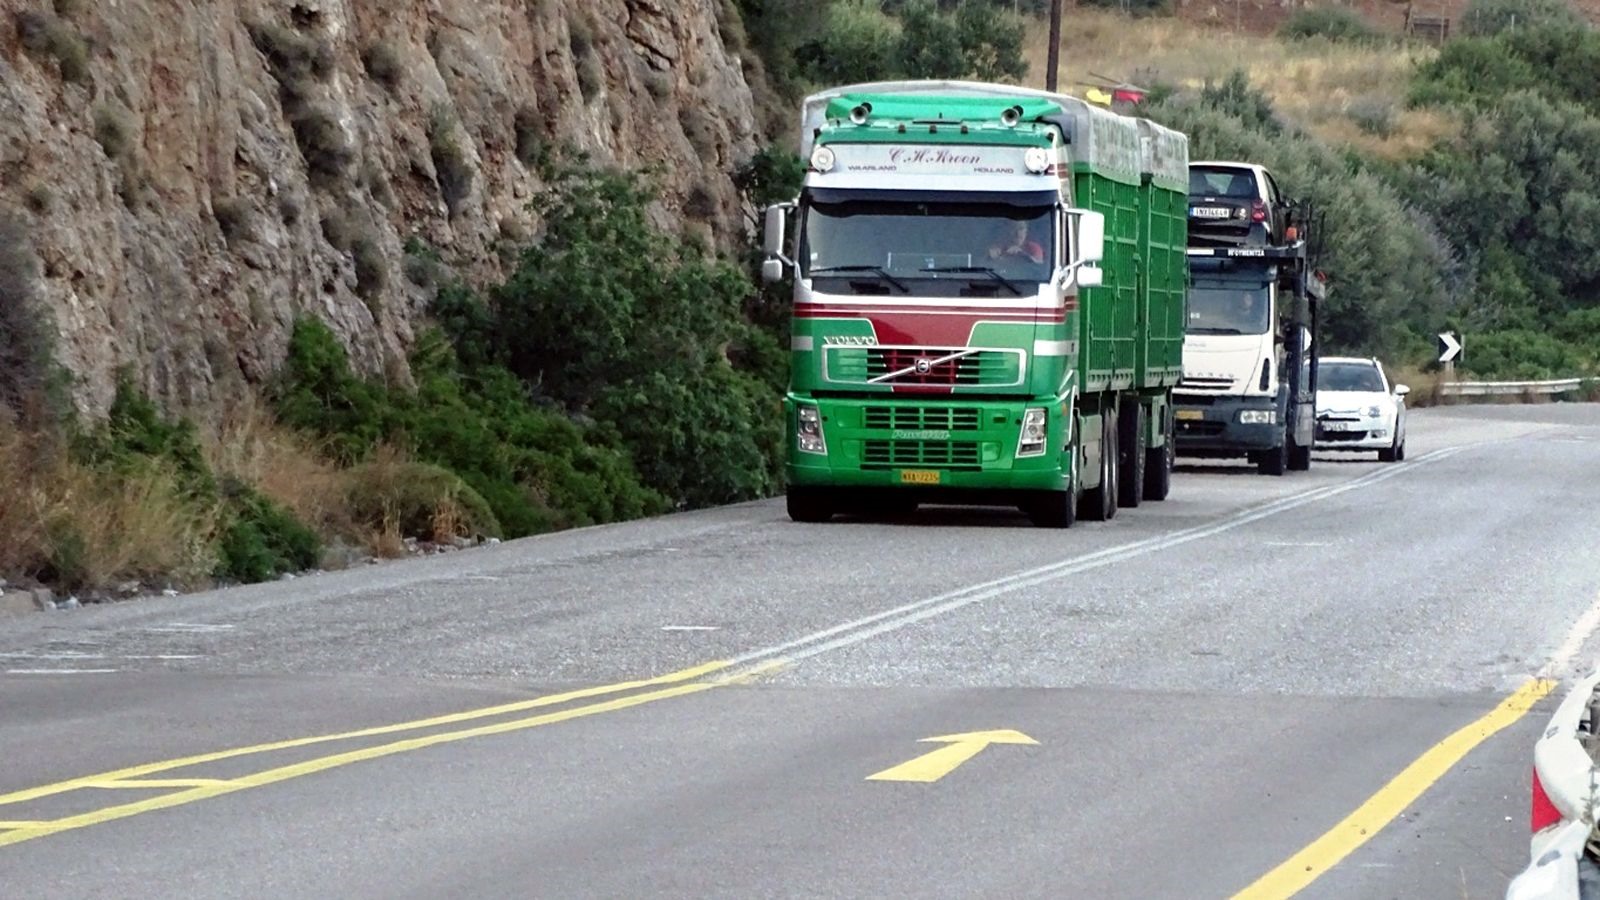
(1235,204)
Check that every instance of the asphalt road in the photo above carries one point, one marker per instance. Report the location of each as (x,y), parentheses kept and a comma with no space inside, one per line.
(1209,684)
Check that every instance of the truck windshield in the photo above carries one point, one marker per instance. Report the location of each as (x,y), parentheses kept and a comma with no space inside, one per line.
(1228,307)
(962,242)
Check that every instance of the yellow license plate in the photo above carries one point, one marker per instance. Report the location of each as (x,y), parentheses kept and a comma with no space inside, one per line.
(1191,414)
(918,476)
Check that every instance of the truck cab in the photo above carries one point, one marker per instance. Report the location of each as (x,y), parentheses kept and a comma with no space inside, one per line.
(1249,356)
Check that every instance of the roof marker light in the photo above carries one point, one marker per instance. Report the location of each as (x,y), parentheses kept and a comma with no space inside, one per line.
(1037,159)
(822,159)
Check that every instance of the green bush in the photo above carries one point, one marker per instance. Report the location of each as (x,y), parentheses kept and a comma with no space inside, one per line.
(420,500)
(262,540)
(1519,354)
(1491,17)
(316,391)
(135,432)
(1332,23)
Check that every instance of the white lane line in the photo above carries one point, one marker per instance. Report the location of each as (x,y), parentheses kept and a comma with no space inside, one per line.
(690,627)
(59,671)
(52,656)
(868,627)
(1560,664)
(187,628)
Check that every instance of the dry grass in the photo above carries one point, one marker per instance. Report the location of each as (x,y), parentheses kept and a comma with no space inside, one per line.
(1424,385)
(1319,85)
(284,465)
(85,528)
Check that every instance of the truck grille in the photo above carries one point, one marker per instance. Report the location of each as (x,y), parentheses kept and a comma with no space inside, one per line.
(923,366)
(920,454)
(1205,384)
(920,418)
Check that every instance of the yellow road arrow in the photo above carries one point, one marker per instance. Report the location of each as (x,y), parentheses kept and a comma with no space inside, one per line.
(958,749)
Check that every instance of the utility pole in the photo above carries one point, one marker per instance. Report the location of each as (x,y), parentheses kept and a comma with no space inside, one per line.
(1055,46)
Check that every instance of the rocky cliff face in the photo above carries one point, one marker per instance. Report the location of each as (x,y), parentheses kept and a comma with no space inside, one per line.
(197,173)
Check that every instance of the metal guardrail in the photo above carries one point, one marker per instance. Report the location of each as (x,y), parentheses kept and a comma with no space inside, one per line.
(1509,388)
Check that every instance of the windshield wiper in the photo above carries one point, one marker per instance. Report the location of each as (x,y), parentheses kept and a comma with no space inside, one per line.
(880,271)
(1215,331)
(980,270)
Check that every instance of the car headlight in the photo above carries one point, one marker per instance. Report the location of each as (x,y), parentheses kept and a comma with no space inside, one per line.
(1374,411)
(1035,422)
(1258,416)
(808,434)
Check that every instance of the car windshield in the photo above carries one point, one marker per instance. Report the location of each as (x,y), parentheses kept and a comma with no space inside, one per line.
(1238,184)
(909,241)
(1349,377)
(1228,307)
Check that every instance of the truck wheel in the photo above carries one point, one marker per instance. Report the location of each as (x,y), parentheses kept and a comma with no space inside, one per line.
(808,505)
(1100,504)
(1131,445)
(1053,509)
(1159,461)
(1299,457)
(1275,461)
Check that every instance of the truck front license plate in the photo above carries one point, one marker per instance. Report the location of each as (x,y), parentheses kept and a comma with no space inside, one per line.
(1191,414)
(919,476)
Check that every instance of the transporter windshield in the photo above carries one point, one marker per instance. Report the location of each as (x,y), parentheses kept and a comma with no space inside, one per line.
(1228,307)
(900,246)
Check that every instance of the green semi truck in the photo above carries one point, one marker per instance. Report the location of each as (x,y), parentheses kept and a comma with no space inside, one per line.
(989,302)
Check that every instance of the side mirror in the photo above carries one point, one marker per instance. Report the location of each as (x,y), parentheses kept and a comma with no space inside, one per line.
(771,270)
(1090,276)
(1401,390)
(776,225)
(1091,235)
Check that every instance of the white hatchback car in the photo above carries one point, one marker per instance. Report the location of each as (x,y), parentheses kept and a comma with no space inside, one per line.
(1357,409)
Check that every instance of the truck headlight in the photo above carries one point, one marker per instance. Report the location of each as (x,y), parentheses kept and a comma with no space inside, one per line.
(1258,416)
(808,436)
(1035,422)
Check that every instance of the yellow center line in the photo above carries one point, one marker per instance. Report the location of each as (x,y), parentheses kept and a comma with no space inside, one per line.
(13,826)
(122,775)
(1299,870)
(284,773)
(154,783)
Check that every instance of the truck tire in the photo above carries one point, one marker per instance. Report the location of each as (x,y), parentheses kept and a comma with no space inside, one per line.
(1100,504)
(808,504)
(1299,457)
(1131,445)
(1159,462)
(1053,509)
(1276,460)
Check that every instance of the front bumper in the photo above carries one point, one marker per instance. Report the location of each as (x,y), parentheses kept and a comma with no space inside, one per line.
(1364,434)
(1211,424)
(944,447)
